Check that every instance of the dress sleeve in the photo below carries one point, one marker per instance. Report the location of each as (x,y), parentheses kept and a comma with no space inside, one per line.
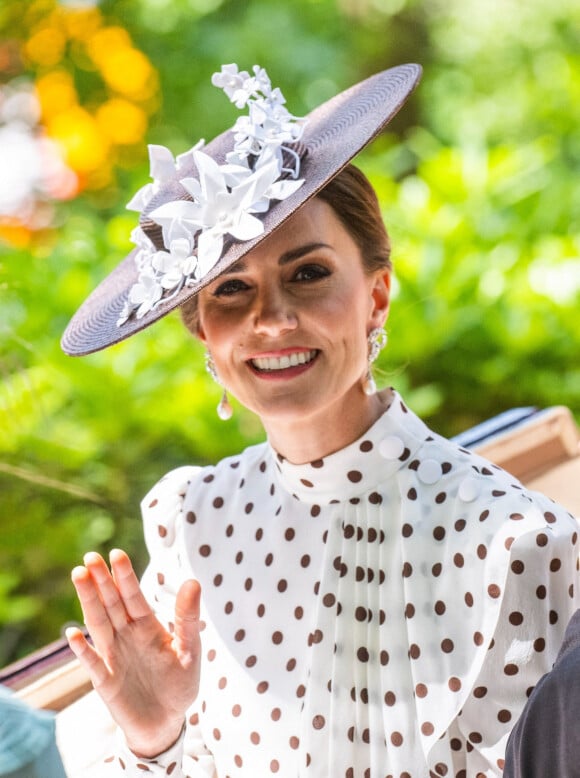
(540,598)
(162,510)
(546,739)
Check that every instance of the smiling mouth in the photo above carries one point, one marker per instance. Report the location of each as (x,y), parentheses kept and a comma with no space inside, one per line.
(271,364)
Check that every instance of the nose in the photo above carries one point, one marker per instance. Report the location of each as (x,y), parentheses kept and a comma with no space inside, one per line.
(273,312)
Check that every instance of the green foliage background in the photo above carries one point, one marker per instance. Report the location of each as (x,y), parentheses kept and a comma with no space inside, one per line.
(478,179)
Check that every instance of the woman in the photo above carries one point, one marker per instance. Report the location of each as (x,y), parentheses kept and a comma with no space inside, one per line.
(375,601)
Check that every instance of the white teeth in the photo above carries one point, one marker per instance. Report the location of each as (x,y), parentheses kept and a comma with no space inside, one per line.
(280,363)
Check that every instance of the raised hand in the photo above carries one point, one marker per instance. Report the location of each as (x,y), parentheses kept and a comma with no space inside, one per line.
(147,676)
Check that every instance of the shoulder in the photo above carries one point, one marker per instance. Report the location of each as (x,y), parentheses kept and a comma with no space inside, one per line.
(163,504)
(220,484)
(185,487)
(252,459)
(464,514)
(171,487)
(467,483)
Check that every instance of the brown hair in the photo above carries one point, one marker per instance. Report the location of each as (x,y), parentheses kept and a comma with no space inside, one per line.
(355,202)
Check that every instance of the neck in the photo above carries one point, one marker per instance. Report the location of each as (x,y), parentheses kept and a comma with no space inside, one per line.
(308,438)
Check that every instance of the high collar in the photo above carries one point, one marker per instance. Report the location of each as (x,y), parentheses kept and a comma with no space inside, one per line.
(382,450)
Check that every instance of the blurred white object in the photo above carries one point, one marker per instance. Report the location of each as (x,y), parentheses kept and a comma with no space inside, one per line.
(86,735)
(33,170)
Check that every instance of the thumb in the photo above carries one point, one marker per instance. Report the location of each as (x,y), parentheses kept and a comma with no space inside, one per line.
(187,623)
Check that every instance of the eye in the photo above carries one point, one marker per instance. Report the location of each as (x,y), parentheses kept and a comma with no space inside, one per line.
(230,287)
(311,272)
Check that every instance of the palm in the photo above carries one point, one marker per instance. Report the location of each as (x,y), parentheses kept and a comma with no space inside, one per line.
(147,676)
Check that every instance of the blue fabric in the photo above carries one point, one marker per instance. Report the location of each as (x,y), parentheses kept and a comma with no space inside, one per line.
(27,741)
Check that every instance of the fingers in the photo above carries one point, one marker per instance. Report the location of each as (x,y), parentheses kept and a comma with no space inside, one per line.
(94,612)
(87,656)
(112,599)
(108,590)
(134,602)
(187,617)
(108,601)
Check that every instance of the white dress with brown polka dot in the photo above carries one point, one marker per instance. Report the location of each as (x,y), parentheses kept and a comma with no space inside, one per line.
(384,611)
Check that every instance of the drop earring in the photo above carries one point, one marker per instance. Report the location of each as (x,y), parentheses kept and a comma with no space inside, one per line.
(377,340)
(224,408)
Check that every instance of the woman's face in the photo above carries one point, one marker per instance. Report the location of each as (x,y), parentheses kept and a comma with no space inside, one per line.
(287,325)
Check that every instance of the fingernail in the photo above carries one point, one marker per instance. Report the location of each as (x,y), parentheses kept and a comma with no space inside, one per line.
(77,571)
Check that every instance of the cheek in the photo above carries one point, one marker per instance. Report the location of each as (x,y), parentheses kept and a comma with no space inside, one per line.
(224,339)
(214,324)
(336,299)
(348,307)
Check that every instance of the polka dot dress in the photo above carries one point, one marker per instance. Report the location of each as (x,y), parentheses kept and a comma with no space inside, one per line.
(380,613)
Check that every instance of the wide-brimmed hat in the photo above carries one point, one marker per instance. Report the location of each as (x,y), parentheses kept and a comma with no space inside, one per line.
(212,205)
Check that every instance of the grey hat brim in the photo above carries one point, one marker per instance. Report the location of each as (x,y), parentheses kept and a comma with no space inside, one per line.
(335,133)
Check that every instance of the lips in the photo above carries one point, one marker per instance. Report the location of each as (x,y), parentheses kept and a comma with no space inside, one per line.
(272,364)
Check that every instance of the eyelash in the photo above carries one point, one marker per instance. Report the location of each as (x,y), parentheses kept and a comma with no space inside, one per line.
(226,290)
(316,271)
(234,285)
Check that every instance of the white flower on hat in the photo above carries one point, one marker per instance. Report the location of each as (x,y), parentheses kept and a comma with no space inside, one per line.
(219,209)
(146,292)
(239,86)
(162,167)
(224,199)
(175,265)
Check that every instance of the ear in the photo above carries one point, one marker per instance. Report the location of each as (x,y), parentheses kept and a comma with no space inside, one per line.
(198,329)
(381,298)
(200,333)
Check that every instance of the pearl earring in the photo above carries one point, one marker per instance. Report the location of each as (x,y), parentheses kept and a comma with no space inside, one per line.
(224,408)
(377,340)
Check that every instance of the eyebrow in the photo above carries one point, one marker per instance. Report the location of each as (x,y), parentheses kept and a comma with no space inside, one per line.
(288,256)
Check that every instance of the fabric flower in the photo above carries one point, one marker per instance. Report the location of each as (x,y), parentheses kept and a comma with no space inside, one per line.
(175,265)
(217,209)
(240,86)
(163,167)
(225,198)
(146,292)
(229,79)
